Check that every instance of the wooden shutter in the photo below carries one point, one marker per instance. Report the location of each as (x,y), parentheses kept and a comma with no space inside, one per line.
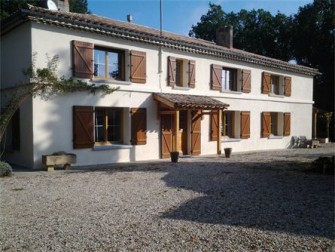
(287,124)
(138,67)
(266,124)
(214,115)
(138,126)
(216,75)
(16,136)
(82,54)
(191,74)
(172,66)
(287,83)
(266,83)
(246,81)
(245,124)
(196,133)
(83,127)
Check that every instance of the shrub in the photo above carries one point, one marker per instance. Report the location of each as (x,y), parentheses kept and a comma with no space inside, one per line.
(5,169)
(325,165)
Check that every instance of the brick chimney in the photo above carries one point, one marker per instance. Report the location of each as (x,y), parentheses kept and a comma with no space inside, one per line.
(63,5)
(224,36)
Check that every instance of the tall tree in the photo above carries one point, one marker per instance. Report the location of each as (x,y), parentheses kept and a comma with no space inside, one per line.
(254,31)
(313,45)
(8,7)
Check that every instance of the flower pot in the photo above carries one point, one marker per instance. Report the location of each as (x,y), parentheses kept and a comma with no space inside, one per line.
(227,152)
(174,156)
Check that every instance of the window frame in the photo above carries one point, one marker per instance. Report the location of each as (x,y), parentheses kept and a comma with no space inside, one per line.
(233,85)
(122,64)
(105,125)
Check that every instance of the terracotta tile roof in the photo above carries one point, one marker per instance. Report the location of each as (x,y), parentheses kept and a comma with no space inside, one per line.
(130,31)
(181,101)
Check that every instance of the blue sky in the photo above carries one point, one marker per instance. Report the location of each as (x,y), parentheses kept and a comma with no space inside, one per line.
(179,15)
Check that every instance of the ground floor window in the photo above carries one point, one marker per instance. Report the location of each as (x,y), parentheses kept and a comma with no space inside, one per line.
(234,125)
(276,124)
(108,125)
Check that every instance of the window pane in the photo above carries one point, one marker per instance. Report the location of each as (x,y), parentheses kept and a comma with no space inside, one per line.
(114,65)
(99,126)
(227,79)
(274,123)
(114,125)
(99,63)
(227,124)
(275,84)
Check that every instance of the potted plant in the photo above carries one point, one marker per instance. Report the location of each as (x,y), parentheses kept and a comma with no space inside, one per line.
(227,152)
(174,156)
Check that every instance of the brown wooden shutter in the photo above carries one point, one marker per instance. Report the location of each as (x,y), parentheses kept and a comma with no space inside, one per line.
(191,74)
(214,115)
(245,124)
(216,75)
(287,124)
(138,126)
(172,65)
(83,127)
(266,82)
(16,136)
(196,133)
(82,54)
(266,124)
(246,81)
(287,82)
(138,67)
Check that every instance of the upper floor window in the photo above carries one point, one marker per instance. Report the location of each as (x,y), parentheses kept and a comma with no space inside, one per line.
(109,63)
(276,84)
(97,62)
(230,79)
(181,72)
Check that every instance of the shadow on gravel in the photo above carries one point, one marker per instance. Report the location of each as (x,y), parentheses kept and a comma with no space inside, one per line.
(256,196)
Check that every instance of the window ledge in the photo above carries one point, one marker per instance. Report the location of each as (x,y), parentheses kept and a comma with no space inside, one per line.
(181,88)
(275,137)
(230,140)
(230,92)
(106,81)
(276,95)
(111,147)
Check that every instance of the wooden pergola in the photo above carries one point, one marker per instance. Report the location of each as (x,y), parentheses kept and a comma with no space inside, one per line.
(177,102)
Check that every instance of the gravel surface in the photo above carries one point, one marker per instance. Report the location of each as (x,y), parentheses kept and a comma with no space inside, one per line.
(249,202)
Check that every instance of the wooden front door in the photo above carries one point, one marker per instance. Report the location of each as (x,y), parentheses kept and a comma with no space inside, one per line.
(167,122)
(196,133)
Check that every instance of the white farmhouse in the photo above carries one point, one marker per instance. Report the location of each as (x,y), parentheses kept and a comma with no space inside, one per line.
(176,93)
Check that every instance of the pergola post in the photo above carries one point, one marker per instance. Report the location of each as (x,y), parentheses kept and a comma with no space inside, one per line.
(219,132)
(176,133)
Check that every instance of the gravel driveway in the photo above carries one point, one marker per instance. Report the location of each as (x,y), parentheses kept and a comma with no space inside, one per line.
(249,202)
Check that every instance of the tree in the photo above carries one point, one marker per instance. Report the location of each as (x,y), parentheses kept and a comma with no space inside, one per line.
(8,7)
(255,31)
(45,83)
(313,45)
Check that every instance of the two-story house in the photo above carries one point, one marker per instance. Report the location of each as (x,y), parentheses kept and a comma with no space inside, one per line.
(176,93)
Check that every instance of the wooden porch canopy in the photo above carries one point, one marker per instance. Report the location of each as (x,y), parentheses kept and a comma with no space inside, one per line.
(196,102)
(177,102)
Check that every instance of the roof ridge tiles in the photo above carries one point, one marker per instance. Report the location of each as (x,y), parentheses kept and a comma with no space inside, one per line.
(147,34)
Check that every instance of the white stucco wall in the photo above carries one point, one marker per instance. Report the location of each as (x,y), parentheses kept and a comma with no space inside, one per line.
(52,119)
(16,57)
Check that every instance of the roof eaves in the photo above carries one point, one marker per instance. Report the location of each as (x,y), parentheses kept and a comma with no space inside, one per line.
(84,22)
